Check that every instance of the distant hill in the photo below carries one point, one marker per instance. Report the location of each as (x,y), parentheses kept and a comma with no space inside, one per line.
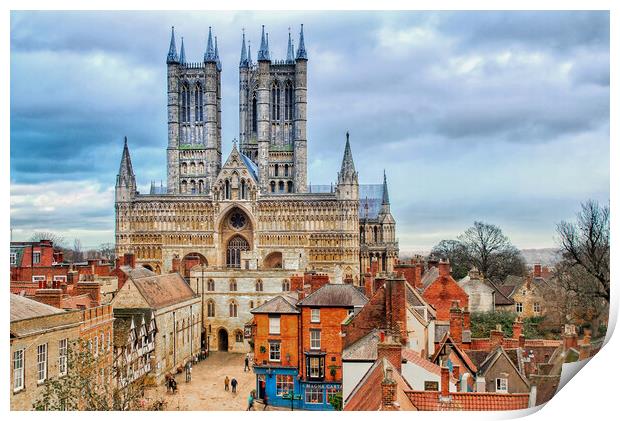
(545,256)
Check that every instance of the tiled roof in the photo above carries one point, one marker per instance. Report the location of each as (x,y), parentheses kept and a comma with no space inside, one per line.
(468,401)
(163,290)
(502,293)
(137,272)
(367,394)
(335,295)
(430,276)
(447,340)
(282,304)
(414,358)
(364,349)
(23,308)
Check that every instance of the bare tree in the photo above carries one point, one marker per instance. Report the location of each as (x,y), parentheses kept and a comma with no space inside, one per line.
(77,250)
(456,253)
(491,251)
(585,244)
(58,240)
(106,251)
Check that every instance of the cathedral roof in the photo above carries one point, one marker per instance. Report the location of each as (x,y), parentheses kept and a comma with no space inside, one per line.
(371,196)
(251,165)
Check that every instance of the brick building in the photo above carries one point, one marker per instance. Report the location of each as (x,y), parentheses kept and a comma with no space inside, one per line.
(176,311)
(40,336)
(443,291)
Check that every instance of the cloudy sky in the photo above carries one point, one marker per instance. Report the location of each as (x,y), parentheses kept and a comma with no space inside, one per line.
(500,117)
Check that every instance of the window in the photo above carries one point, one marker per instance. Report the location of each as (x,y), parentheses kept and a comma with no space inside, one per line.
(259,285)
(210,308)
(13,258)
(274,325)
(315,339)
(284,384)
(316,367)
(286,285)
(41,363)
(60,278)
(275,102)
(315,315)
(331,392)
(430,385)
(274,351)
(519,307)
(501,385)
(233,285)
(537,307)
(62,357)
(36,257)
(286,170)
(198,102)
(96,348)
(273,187)
(314,394)
(233,252)
(288,101)
(232,309)
(185,106)
(238,336)
(210,285)
(254,115)
(38,278)
(18,370)
(276,170)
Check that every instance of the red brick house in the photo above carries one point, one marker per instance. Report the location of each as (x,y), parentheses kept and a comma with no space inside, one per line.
(443,291)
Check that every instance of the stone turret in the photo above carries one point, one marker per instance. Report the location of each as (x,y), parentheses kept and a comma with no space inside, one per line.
(125,180)
(172,51)
(348,185)
(299,132)
(182,61)
(262,105)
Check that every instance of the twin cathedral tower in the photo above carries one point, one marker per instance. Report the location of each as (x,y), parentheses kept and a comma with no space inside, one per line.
(256,211)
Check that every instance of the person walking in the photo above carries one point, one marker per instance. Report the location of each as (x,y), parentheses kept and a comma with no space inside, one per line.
(247,363)
(251,402)
(265,402)
(233,383)
(188,372)
(226,383)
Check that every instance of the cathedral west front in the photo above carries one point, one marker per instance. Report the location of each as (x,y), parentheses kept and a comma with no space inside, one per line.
(238,230)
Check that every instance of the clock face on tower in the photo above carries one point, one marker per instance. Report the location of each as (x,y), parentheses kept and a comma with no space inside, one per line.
(237,220)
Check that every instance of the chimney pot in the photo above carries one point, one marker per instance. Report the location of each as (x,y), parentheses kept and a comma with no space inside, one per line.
(444,268)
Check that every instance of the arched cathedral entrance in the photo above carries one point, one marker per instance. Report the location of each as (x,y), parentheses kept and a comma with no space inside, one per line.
(236,236)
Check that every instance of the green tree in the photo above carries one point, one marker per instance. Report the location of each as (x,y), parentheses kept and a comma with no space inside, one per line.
(90,384)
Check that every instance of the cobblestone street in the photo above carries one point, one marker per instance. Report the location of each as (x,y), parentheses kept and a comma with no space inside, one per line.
(206,390)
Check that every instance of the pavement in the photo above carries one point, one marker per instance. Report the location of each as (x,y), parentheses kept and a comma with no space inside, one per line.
(206,391)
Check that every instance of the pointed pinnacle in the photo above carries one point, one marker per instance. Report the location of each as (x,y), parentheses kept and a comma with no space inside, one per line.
(172,50)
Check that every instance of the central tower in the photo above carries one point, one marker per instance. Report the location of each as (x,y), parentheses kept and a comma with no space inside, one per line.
(272,115)
(194,120)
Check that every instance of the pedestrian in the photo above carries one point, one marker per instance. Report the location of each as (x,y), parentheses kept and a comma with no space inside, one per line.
(233,383)
(265,402)
(226,382)
(251,401)
(247,363)
(188,371)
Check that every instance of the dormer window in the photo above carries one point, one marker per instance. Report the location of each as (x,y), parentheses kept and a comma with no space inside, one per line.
(501,385)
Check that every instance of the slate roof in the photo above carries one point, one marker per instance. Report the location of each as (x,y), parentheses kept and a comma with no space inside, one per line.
(502,293)
(493,356)
(430,276)
(367,396)
(335,295)
(281,304)
(364,349)
(370,197)
(250,164)
(23,308)
(163,290)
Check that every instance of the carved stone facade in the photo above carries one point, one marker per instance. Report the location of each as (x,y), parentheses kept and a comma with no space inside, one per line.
(255,212)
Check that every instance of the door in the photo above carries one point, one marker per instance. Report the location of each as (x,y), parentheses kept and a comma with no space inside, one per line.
(222,340)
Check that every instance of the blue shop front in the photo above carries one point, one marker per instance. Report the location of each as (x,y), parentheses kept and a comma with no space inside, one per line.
(276,383)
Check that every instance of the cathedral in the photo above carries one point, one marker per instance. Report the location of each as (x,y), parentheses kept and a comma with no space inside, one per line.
(239,229)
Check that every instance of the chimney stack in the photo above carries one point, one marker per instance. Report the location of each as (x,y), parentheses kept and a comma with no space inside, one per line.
(445,382)
(368,288)
(517,328)
(444,268)
(497,337)
(537,270)
(49,296)
(388,390)
(570,336)
(391,350)
(130,260)
(396,307)
(456,323)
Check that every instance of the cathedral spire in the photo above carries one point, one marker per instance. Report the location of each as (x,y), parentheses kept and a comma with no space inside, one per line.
(244,55)
(263,53)
(249,53)
(126,176)
(217,57)
(172,51)
(301,49)
(182,55)
(210,53)
(290,54)
(386,196)
(348,167)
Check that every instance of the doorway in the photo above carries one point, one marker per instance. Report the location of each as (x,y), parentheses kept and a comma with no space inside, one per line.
(222,340)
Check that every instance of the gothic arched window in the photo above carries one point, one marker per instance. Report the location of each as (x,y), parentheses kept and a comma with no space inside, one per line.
(286,170)
(273,187)
(232,309)
(233,285)
(210,285)
(233,252)
(275,102)
(183,186)
(185,103)
(281,186)
(201,186)
(276,170)
(259,285)
(289,186)
(210,308)
(288,101)
(198,102)
(254,115)
(227,190)
(286,285)
(243,189)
